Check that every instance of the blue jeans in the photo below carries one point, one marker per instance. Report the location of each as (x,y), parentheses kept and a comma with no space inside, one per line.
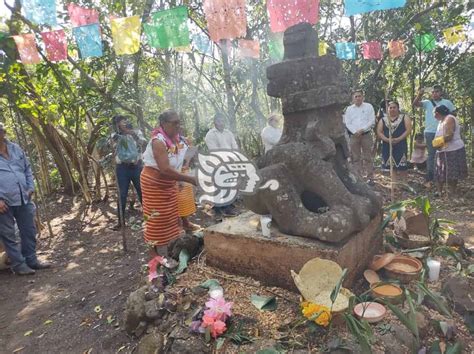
(430,162)
(23,250)
(127,173)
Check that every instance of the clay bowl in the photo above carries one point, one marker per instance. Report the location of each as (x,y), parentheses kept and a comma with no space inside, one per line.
(387,292)
(413,241)
(370,311)
(404,268)
(379,261)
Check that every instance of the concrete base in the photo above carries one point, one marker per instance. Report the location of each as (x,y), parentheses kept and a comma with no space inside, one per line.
(237,246)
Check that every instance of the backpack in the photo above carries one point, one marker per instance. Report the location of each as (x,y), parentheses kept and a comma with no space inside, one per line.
(127,150)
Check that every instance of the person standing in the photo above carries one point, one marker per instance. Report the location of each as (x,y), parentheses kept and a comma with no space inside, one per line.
(451,162)
(220,138)
(16,189)
(359,120)
(431,124)
(128,157)
(271,134)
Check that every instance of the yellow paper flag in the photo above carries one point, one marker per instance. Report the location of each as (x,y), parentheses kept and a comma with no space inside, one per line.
(322,48)
(126,34)
(455,34)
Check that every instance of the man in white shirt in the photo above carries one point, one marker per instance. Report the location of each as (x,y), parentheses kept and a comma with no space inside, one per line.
(271,134)
(359,120)
(219,137)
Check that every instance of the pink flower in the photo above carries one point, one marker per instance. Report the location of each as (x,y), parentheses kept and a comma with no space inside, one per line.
(216,327)
(218,309)
(153,267)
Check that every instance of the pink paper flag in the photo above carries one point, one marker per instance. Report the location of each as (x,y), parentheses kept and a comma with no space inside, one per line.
(27,48)
(372,50)
(249,49)
(226,19)
(396,48)
(56,45)
(81,16)
(286,13)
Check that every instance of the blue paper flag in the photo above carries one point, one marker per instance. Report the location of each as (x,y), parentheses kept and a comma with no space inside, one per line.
(346,50)
(40,12)
(88,40)
(202,43)
(354,7)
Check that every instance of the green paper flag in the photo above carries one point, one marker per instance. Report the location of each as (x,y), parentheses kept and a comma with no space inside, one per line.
(275,46)
(168,28)
(425,42)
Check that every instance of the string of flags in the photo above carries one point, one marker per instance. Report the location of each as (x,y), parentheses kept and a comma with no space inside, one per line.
(226,19)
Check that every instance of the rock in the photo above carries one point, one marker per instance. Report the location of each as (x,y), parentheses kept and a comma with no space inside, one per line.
(404,336)
(455,240)
(423,324)
(189,243)
(140,329)
(459,290)
(185,342)
(417,224)
(150,295)
(151,343)
(153,310)
(199,290)
(390,343)
(260,344)
(135,309)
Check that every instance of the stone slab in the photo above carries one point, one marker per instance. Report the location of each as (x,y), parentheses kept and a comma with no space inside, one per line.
(237,246)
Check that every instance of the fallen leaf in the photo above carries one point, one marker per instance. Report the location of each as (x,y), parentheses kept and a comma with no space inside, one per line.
(18,349)
(88,351)
(264,303)
(29,333)
(121,348)
(110,319)
(47,322)
(41,335)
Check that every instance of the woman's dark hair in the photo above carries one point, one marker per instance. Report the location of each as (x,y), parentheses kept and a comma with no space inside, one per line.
(116,120)
(166,116)
(395,103)
(443,110)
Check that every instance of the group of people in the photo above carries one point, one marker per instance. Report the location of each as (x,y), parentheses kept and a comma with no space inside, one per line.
(446,161)
(159,167)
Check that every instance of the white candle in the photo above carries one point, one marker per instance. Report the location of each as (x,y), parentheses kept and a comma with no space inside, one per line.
(434,267)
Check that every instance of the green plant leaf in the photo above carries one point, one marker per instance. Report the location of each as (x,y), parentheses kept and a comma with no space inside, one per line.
(404,319)
(207,335)
(210,284)
(337,288)
(456,348)
(220,342)
(438,301)
(183,261)
(359,331)
(264,303)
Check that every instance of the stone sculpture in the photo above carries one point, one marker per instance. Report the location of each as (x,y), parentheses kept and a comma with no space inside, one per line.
(319,196)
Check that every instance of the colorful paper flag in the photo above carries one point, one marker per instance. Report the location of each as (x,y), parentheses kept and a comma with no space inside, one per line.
(249,49)
(126,34)
(226,19)
(81,16)
(88,40)
(56,45)
(425,42)
(27,48)
(275,46)
(372,50)
(455,34)
(40,12)
(168,28)
(202,43)
(396,49)
(322,48)
(346,50)
(354,7)
(286,13)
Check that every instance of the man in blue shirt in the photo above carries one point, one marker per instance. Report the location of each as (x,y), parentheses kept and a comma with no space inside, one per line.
(431,124)
(16,188)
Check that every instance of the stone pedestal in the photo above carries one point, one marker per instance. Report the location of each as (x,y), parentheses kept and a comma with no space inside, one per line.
(237,246)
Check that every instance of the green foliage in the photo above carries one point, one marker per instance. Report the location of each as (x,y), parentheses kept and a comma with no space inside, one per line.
(407,319)
(361,331)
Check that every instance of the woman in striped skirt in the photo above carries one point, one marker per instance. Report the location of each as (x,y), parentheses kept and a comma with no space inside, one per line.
(163,160)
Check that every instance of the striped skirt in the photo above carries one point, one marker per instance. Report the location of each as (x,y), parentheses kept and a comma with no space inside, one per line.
(160,208)
(186,204)
(451,165)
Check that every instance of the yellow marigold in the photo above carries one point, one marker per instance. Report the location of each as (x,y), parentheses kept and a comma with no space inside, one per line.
(310,310)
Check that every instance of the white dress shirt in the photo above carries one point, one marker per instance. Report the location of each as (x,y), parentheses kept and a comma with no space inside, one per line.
(270,137)
(217,140)
(359,117)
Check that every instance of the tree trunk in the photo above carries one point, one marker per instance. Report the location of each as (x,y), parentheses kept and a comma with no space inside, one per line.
(228,86)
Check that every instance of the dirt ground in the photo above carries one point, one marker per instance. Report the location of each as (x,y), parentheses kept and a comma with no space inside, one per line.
(77,306)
